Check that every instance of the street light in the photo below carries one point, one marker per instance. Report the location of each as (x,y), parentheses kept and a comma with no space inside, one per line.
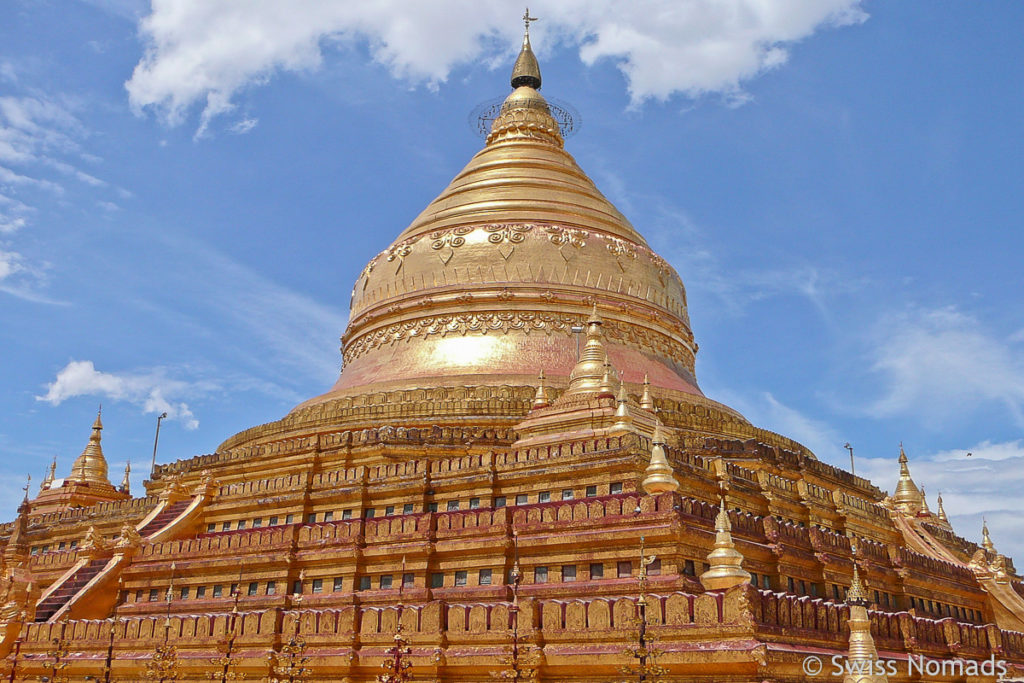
(848,447)
(156,440)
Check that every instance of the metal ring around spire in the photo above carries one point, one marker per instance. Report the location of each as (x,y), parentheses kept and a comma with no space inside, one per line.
(482,117)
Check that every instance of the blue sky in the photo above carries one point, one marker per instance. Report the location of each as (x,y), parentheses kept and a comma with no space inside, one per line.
(187,194)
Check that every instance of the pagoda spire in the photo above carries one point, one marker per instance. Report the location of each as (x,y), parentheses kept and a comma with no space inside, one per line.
(50,476)
(907,497)
(126,483)
(658,477)
(91,467)
(986,540)
(726,563)
(540,399)
(623,418)
(589,370)
(942,510)
(862,661)
(525,114)
(526,71)
(646,402)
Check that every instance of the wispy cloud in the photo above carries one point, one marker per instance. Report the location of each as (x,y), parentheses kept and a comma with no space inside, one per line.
(765,410)
(285,336)
(244,126)
(10,264)
(939,364)
(152,390)
(663,47)
(40,151)
(707,268)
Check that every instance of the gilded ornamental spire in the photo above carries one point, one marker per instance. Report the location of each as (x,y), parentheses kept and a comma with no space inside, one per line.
(525,114)
(51,475)
(908,497)
(942,510)
(526,71)
(587,375)
(986,540)
(726,561)
(862,665)
(540,399)
(91,467)
(126,483)
(646,402)
(623,418)
(658,477)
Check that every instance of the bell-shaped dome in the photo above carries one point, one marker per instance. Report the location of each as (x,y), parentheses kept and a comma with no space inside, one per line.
(494,280)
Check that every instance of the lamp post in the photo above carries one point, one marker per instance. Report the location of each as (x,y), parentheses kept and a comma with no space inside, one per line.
(163,665)
(156,440)
(646,668)
(396,664)
(288,665)
(848,447)
(516,670)
(108,665)
(59,652)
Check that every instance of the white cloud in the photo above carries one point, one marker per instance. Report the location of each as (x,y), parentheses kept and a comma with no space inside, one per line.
(244,126)
(40,150)
(10,263)
(206,51)
(938,364)
(10,224)
(153,391)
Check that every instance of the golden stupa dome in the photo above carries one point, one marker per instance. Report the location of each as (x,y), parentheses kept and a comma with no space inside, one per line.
(486,285)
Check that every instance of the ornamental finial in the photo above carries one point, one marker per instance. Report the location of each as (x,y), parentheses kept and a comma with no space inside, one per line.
(907,497)
(526,71)
(646,402)
(856,594)
(540,399)
(986,540)
(726,562)
(623,418)
(862,663)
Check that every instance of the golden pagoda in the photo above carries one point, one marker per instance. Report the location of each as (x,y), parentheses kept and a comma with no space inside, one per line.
(443,513)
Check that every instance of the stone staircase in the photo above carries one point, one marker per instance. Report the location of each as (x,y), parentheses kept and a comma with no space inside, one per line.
(52,604)
(69,593)
(169,514)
